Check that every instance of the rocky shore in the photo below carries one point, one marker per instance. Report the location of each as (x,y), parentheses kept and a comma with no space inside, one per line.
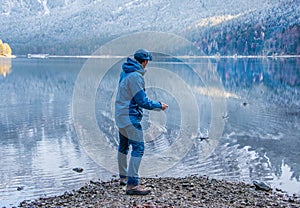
(192,191)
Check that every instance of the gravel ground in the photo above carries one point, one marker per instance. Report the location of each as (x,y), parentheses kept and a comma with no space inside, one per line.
(190,191)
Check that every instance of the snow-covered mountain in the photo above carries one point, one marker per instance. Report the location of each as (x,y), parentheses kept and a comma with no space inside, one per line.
(80,26)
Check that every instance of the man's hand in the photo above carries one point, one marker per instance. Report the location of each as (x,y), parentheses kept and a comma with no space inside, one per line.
(164,106)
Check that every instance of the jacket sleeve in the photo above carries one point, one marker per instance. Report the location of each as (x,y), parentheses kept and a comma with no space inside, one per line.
(139,94)
(142,100)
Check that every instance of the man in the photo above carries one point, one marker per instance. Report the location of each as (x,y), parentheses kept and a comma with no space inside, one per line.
(130,101)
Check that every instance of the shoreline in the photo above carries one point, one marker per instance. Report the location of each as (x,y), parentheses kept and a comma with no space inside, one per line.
(191,191)
(8,57)
(42,56)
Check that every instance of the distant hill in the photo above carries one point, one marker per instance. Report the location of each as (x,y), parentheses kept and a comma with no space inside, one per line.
(216,26)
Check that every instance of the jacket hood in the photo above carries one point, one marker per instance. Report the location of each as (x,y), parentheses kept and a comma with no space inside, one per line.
(132,65)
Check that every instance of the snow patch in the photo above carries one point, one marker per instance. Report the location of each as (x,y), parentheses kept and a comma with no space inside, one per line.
(216,20)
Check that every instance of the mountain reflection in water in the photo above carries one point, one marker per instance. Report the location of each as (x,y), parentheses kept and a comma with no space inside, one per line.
(39,146)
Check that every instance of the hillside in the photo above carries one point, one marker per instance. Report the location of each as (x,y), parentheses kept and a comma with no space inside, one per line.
(80,26)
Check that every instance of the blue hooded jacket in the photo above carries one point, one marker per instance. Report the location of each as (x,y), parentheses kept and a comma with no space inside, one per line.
(131,97)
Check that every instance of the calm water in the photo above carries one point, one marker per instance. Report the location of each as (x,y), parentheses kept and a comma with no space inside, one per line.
(260,140)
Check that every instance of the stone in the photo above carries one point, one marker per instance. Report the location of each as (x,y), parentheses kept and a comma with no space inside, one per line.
(78,170)
(260,185)
(206,193)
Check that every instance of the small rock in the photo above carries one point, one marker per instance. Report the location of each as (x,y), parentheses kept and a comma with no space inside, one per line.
(78,170)
(203,138)
(212,181)
(20,188)
(243,203)
(291,200)
(185,185)
(261,186)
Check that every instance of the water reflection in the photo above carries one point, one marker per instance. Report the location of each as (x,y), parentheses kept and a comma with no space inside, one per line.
(266,118)
(39,146)
(5,66)
(261,135)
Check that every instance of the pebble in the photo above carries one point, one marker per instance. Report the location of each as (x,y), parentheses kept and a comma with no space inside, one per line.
(20,188)
(192,191)
(78,170)
(260,185)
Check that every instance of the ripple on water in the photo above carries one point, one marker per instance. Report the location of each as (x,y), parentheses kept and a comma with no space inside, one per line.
(38,154)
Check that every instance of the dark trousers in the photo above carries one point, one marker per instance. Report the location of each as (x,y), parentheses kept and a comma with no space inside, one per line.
(130,135)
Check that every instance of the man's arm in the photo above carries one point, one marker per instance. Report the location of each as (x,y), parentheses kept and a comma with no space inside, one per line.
(142,100)
(140,97)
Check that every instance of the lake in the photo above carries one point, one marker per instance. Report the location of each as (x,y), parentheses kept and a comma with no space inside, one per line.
(234,119)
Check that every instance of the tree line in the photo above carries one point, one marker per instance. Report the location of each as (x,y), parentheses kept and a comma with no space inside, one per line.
(251,40)
(275,31)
